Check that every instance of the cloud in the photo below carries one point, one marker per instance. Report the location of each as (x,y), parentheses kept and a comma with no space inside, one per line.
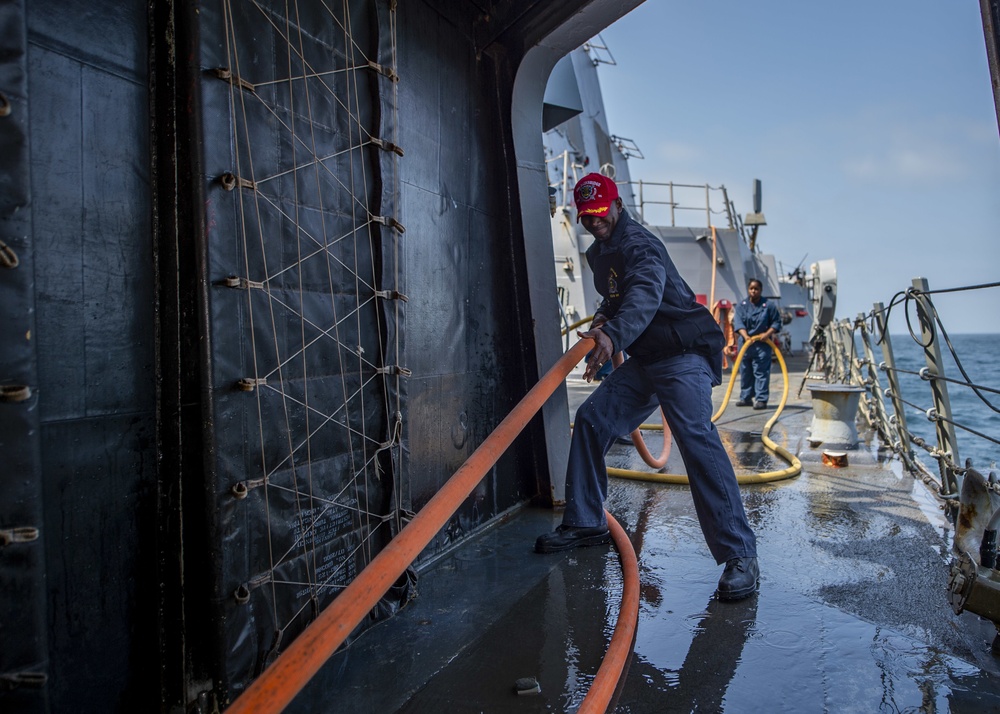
(676,152)
(914,151)
(918,163)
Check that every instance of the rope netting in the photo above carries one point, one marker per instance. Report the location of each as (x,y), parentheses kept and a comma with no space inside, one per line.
(320,278)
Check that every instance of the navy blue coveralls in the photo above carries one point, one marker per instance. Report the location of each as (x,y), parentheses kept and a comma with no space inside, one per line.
(675,358)
(755,369)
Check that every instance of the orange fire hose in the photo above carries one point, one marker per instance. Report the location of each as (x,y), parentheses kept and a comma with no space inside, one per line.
(275,688)
(638,442)
(616,658)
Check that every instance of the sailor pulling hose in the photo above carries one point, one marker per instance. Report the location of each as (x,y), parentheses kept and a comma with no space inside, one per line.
(675,350)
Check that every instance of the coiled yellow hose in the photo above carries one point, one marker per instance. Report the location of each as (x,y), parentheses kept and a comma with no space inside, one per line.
(795,466)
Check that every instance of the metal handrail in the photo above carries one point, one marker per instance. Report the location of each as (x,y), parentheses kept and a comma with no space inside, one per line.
(570,174)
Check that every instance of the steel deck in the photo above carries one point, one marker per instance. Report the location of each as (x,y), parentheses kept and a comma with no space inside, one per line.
(852,613)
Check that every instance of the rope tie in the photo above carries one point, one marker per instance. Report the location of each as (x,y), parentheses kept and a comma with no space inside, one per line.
(394,370)
(397,428)
(248,384)
(389,221)
(226,74)
(243,283)
(941,455)
(391,295)
(8,258)
(230,181)
(4,105)
(383,70)
(14,392)
(22,534)
(242,489)
(386,446)
(388,146)
(28,680)
(393,439)
(242,593)
(279,634)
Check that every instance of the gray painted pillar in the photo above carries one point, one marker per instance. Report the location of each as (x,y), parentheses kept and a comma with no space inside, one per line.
(526,122)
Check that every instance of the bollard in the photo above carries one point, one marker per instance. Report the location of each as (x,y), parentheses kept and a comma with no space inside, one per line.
(835,407)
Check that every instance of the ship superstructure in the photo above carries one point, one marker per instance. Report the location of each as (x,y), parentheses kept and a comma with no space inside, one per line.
(714,247)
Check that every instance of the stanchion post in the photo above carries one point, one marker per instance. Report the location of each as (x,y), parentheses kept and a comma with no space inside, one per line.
(939,390)
(833,351)
(846,352)
(905,449)
(854,362)
(841,371)
(873,383)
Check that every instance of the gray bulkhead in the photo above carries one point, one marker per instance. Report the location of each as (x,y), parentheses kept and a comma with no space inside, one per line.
(166,195)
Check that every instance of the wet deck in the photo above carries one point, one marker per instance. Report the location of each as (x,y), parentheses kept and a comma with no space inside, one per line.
(852,613)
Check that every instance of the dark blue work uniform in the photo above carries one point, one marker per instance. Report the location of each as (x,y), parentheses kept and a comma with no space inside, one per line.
(675,358)
(755,369)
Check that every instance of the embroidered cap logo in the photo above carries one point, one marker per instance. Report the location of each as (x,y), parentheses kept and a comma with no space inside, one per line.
(587,191)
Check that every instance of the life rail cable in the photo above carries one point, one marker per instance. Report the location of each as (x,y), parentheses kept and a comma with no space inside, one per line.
(278,685)
(932,415)
(927,376)
(910,295)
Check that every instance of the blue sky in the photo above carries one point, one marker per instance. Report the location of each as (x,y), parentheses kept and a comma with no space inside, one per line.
(871,125)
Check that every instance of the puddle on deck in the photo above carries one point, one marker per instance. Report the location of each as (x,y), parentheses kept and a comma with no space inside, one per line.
(791,648)
(851,616)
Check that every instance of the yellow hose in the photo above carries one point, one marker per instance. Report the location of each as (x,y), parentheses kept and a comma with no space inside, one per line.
(795,466)
(575,325)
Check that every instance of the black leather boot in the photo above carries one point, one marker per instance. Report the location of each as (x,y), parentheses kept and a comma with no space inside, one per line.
(565,537)
(739,579)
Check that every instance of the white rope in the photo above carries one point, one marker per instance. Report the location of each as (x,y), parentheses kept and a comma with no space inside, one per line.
(313,507)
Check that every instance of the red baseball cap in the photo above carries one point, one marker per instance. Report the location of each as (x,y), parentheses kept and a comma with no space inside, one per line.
(594,195)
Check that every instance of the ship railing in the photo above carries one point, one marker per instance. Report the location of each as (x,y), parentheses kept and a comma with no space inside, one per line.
(644,197)
(651,193)
(969,497)
(860,352)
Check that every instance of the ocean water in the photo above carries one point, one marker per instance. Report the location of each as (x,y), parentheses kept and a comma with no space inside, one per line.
(980,356)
